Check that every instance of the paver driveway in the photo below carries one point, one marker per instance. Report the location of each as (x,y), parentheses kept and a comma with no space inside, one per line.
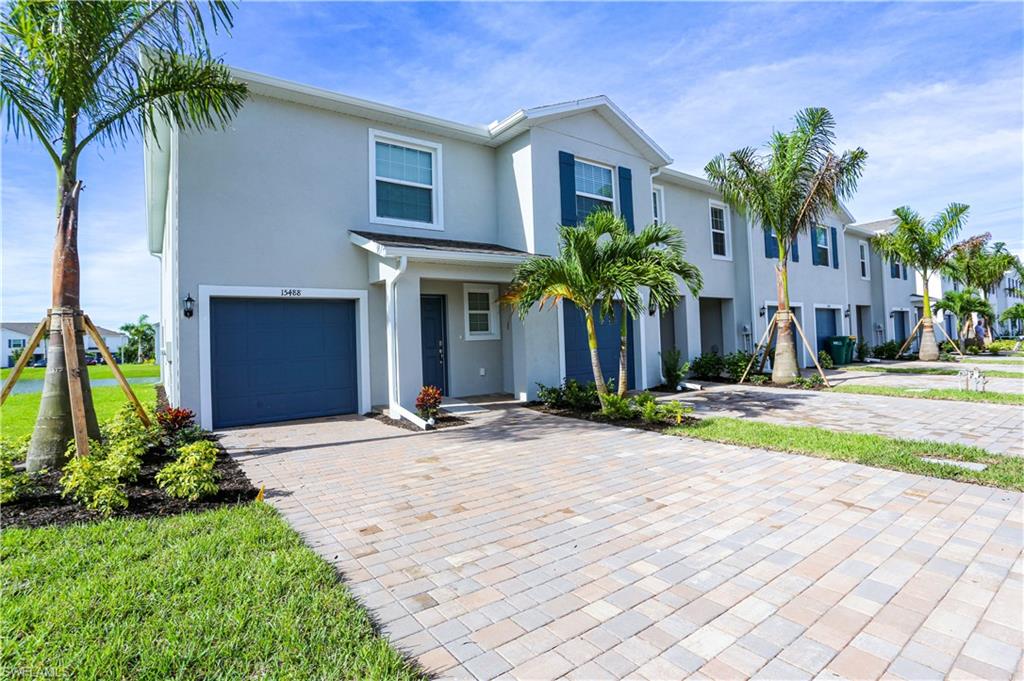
(530,546)
(998,428)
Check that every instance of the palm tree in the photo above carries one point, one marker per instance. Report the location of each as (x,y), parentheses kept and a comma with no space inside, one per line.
(655,261)
(74,73)
(983,267)
(963,304)
(927,247)
(140,336)
(1013,316)
(793,186)
(586,272)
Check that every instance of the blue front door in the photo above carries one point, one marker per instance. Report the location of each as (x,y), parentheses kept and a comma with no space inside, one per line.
(899,326)
(435,342)
(825,327)
(577,350)
(277,360)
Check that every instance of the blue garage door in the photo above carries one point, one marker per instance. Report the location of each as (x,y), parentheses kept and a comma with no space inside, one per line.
(577,352)
(824,327)
(277,360)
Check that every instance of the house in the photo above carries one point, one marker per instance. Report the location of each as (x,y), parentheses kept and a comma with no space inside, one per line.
(1008,293)
(327,253)
(15,335)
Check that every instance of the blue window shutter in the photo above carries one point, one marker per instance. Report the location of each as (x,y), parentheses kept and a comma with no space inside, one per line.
(815,255)
(771,246)
(626,196)
(894,270)
(567,182)
(794,249)
(835,248)
(904,271)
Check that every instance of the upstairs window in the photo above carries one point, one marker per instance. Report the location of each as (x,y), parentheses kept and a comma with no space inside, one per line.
(15,342)
(405,185)
(721,240)
(481,312)
(594,189)
(658,199)
(865,259)
(821,253)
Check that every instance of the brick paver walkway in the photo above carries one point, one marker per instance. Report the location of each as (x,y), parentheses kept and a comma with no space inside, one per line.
(1001,385)
(998,428)
(533,547)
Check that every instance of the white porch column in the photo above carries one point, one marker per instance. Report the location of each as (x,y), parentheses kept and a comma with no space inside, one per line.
(691,306)
(537,351)
(405,358)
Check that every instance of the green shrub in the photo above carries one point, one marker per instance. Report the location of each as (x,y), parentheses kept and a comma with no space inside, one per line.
(973,349)
(825,360)
(97,480)
(758,379)
(650,412)
(13,484)
(126,428)
(863,351)
(734,364)
(809,382)
(708,365)
(886,350)
(673,366)
(550,395)
(618,408)
(997,346)
(674,411)
(582,396)
(191,475)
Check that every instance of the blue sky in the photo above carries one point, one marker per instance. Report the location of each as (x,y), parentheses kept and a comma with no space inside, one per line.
(932,91)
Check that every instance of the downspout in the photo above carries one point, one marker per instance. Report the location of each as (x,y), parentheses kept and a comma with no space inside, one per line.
(395,408)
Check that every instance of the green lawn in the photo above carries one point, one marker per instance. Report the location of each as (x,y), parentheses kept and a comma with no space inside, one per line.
(930,371)
(226,594)
(95,371)
(1006,472)
(1018,361)
(932,393)
(18,415)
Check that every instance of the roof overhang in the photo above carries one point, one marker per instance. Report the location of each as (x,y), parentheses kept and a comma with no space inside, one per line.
(157,171)
(873,227)
(422,254)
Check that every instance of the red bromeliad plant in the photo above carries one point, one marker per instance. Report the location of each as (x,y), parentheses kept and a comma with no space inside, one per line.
(173,419)
(428,402)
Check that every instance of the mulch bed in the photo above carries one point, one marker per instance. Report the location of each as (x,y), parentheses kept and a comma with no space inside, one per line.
(598,417)
(443,420)
(44,505)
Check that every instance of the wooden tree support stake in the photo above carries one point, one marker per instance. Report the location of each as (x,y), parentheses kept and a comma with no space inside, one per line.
(814,356)
(74,373)
(121,380)
(910,338)
(955,346)
(757,349)
(23,360)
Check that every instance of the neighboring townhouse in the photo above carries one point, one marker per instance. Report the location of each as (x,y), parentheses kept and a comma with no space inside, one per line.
(341,253)
(1007,294)
(15,336)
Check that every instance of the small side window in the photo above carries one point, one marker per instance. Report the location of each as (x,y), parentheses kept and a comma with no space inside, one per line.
(721,239)
(481,312)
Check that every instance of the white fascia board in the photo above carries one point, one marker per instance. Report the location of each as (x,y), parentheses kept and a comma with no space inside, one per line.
(431,255)
(688,180)
(157,152)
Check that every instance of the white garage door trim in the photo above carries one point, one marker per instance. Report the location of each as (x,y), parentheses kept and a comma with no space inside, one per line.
(207,291)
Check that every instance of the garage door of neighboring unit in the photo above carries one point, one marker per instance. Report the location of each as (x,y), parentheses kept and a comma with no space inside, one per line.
(577,349)
(276,360)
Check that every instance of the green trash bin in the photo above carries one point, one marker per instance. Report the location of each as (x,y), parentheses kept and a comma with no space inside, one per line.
(836,346)
(851,348)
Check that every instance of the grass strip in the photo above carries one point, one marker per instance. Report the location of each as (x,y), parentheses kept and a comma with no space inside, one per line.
(953,394)
(225,594)
(929,371)
(18,415)
(96,371)
(1006,472)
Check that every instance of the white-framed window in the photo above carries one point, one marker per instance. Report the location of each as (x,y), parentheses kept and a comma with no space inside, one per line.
(658,201)
(405,181)
(820,245)
(864,254)
(595,189)
(15,343)
(481,312)
(721,237)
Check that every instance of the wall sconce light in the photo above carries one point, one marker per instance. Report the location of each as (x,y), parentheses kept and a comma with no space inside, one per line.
(188,306)
(892,314)
(762,312)
(847,312)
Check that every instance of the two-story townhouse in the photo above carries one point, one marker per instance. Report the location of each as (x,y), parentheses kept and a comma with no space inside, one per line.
(16,335)
(325,254)
(1008,293)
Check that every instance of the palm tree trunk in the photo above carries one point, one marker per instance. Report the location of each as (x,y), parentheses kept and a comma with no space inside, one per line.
(784,366)
(595,358)
(623,353)
(53,429)
(929,350)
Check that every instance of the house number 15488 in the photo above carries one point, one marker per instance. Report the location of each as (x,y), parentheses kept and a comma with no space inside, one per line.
(292,292)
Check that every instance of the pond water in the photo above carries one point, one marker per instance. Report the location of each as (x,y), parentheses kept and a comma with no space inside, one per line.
(36,386)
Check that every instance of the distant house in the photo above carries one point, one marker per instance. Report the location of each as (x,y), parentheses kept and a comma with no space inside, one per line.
(15,336)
